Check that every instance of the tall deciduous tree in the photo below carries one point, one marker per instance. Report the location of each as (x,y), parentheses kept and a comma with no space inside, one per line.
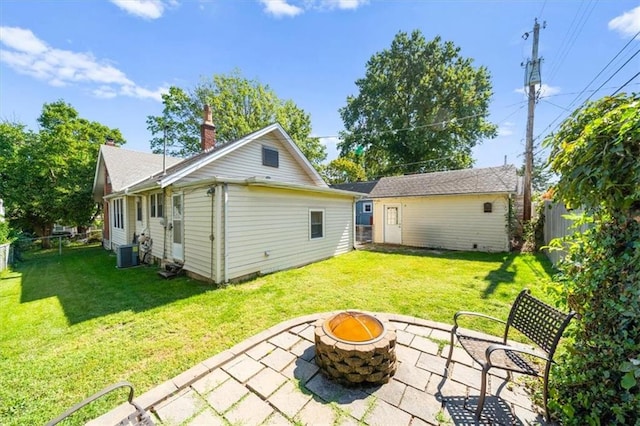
(420,107)
(343,170)
(239,107)
(47,177)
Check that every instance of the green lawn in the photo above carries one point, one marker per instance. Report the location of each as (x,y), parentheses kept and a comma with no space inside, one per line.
(73,324)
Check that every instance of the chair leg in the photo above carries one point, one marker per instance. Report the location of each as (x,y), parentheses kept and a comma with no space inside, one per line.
(483,390)
(450,352)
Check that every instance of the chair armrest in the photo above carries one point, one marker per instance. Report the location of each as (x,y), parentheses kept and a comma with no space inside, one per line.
(496,347)
(92,398)
(475,314)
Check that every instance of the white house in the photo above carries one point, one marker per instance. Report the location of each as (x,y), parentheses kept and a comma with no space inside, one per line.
(457,210)
(247,207)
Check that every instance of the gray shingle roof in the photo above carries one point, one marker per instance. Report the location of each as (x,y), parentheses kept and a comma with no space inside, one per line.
(467,181)
(127,167)
(363,187)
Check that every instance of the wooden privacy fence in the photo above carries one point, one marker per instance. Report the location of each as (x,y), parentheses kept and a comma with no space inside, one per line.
(558,226)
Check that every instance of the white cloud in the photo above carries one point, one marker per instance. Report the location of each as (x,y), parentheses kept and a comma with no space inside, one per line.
(544,89)
(329,141)
(627,24)
(344,4)
(146,9)
(28,55)
(506,129)
(22,40)
(280,8)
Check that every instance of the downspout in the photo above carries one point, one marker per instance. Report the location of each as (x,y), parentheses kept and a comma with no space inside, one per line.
(212,235)
(226,239)
(354,226)
(165,226)
(218,235)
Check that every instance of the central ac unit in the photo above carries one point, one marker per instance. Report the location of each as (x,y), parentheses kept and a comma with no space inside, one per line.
(127,255)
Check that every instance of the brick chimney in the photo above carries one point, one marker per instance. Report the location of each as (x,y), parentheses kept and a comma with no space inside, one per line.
(207,131)
(110,142)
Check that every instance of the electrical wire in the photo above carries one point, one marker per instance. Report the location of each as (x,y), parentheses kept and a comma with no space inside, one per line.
(628,81)
(571,38)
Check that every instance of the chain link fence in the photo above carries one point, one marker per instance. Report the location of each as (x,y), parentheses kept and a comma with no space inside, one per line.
(25,243)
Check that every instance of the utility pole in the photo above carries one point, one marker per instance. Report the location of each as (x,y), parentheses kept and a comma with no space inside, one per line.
(531,78)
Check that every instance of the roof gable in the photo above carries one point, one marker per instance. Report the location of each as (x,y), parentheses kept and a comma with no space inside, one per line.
(468,181)
(203,159)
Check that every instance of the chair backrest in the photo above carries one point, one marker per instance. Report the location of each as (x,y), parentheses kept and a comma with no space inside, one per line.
(541,323)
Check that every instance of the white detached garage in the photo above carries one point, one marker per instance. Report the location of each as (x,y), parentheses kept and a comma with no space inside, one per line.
(455,210)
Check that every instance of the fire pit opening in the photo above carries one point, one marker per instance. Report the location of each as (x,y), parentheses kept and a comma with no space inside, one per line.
(355,348)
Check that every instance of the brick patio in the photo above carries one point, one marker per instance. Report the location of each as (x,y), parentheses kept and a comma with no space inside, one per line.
(271,379)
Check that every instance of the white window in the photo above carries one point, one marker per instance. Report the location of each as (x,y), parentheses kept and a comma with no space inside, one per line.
(155,205)
(367,207)
(139,209)
(316,224)
(118,214)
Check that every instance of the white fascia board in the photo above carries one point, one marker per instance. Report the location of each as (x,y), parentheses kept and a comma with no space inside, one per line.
(255,181)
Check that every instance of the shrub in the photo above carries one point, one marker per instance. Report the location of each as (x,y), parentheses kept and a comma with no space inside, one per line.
(596,154)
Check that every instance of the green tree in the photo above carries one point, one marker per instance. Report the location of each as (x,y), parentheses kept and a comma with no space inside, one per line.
(596,154)
(420,107)
(239,107)
(48,176)
(343,170)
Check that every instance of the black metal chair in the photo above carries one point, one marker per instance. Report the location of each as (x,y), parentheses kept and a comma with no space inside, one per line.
(137,417)
(539,322)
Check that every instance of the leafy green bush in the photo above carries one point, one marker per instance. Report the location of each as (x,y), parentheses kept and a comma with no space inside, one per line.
(598,379)
(4,232)
(596,154)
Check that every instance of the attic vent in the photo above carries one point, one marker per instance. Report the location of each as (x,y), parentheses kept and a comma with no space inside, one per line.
(269,156)
(488,207)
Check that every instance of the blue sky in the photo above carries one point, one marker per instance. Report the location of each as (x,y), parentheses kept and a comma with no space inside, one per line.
(112,60)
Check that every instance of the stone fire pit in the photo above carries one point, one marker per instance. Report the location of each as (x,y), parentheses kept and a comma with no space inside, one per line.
(355,348)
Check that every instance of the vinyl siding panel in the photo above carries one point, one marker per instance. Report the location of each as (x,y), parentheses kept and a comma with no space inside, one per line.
(449,222)
(198,229)
(246,161)
(268,229)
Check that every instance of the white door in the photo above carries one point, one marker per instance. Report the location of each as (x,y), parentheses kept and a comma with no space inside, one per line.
(392,224)
(177,229)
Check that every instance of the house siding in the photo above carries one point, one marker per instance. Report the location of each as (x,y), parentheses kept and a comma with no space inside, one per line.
(454,222)
(199,229)
(246,161)
(270,229)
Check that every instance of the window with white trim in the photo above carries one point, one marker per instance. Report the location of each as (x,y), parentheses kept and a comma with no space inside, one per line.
(367,207)
(118,214)
(139,209)
(155,205)
(316,224)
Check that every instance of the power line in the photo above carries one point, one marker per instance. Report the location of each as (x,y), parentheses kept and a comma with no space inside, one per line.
(591,82)
(628,81)
(571,36)
(616,71)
